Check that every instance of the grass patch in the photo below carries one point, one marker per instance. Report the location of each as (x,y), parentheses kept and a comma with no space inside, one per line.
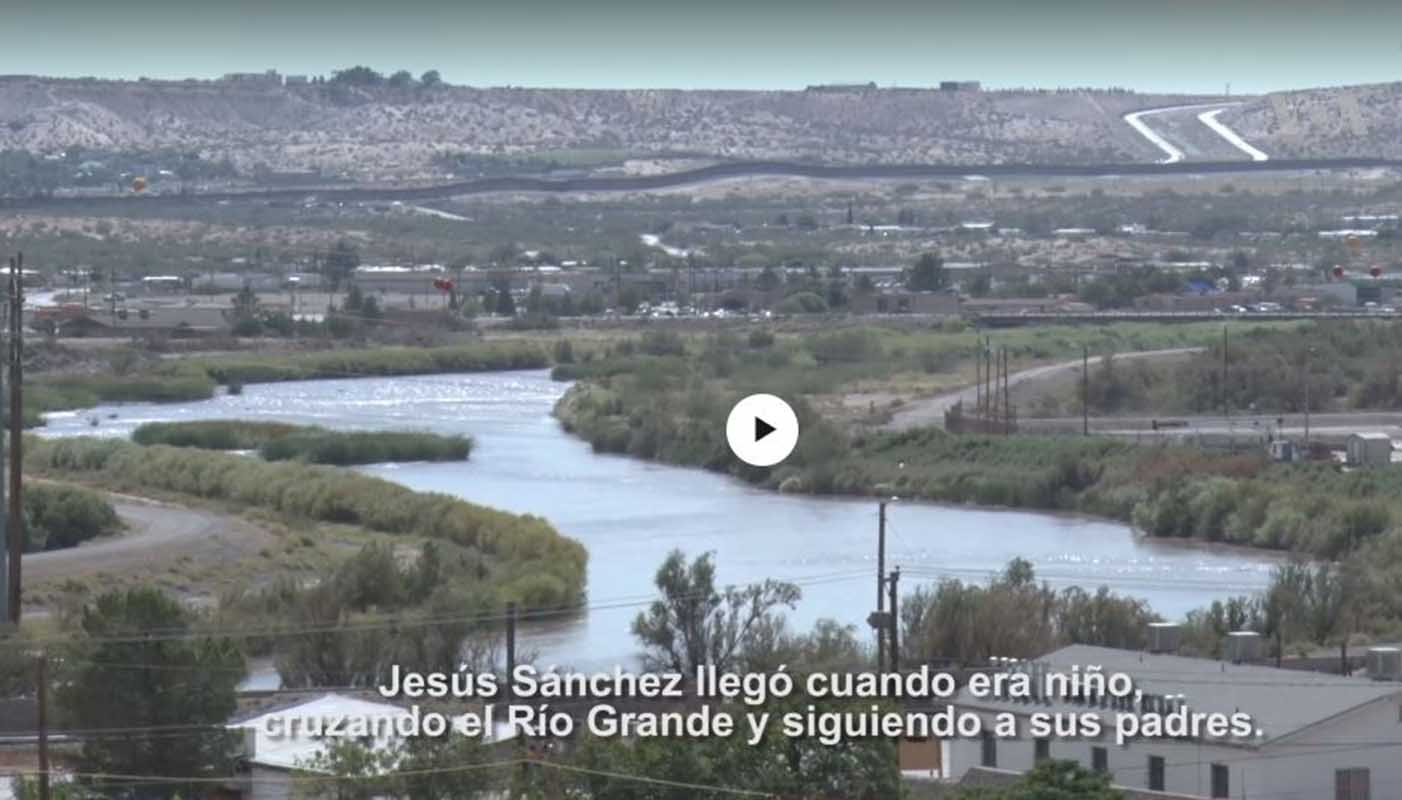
(277,441)
(215,434)
(344,448)
(374,362)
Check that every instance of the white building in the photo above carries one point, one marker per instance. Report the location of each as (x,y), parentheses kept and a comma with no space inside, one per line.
(1319,737)
(280,742)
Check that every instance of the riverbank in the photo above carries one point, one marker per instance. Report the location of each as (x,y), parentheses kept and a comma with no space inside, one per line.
(519,557)
(199,378)
(672,408)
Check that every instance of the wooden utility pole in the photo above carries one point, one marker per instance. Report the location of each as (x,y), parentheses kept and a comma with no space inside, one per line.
(15,523)
(978,383)
(520,738)
(1085,390)
(1226,407)
(1309,351)
(880,580)
(43,676)
(895,620)
(1007,397)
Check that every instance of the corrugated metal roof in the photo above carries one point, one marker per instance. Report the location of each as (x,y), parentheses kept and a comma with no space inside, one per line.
(1216,686)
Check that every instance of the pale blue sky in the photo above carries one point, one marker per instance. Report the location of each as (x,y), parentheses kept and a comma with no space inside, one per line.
(1172,45)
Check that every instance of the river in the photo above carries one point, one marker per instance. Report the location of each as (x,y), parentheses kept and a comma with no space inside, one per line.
(631,513)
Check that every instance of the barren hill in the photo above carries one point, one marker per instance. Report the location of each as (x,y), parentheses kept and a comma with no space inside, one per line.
(1362,121)
(369,133)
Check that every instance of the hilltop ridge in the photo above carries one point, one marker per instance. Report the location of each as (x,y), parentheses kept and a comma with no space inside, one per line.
(382,132)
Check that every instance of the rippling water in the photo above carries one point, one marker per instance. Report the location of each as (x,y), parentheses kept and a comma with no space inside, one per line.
(631,513)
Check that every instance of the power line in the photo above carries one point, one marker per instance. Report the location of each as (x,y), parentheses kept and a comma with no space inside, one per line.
(383,623)
(311,779)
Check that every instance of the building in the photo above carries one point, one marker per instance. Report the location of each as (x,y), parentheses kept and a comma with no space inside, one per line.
(1369,449)
(277,744)
(175,320)
(1300,750)
(960,86)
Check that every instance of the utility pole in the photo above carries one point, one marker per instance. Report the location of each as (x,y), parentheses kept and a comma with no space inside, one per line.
(524,774)
(43,676)
(978,383)
(1085,390)
(1309,351)
(1226,409)
(880,580)
(895,620)
(7,547)
(1007,398)
(15,526)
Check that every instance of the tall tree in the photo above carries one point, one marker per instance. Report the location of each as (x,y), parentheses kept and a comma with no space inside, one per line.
(928,274)
(694,623)
(145,686)
(340,263)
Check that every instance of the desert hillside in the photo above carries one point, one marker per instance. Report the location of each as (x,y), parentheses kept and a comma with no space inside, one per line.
(383,132)
(1363,121)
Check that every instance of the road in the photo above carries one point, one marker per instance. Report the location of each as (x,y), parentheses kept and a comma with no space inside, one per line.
(157,533)
(1231,164)
(930,411)
(1331,426)
(1180,134)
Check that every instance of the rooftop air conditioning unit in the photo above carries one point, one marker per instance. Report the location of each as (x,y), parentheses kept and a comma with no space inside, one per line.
(1243,647)
(1164,637)
(1385,663)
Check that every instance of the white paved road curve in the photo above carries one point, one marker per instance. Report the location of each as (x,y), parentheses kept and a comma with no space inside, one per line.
(1209,118)
(1172,153)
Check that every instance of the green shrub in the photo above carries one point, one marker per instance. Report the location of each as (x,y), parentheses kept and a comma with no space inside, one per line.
(345,448)
(803,303)
(59,516)
(760,338)
(220,434)
(279,441)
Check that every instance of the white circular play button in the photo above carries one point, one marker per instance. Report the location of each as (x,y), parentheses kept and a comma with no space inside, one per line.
(762,430)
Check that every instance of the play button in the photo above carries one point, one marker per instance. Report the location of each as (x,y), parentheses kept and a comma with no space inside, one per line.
(762,430)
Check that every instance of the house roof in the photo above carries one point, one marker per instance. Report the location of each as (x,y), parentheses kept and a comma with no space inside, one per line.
(1373,435)
(1280,701)
(294,748)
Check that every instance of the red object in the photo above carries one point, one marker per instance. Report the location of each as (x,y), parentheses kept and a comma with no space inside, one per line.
(443,284)
(1375,271)
(1338,271)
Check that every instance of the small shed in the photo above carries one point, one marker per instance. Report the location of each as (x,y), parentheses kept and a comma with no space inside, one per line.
(1369,449)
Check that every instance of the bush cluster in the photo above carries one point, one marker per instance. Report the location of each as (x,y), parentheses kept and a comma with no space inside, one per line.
(535,564)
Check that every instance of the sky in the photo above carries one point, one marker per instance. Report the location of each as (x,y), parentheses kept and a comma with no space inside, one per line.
(1196,46)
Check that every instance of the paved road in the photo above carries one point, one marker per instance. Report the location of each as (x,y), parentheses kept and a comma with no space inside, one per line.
(1192,132)
(157,533)
(930,411)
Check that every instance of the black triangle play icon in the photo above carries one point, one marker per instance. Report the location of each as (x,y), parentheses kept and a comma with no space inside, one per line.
(762,429)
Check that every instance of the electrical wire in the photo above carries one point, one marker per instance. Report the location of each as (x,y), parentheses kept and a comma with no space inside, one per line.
(156,635)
